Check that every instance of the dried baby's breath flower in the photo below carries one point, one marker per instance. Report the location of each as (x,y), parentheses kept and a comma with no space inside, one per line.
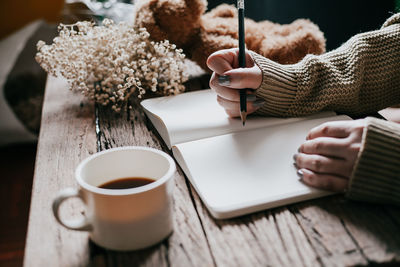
(112,62)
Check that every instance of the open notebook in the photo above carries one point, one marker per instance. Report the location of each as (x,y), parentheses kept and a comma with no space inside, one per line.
(235,170)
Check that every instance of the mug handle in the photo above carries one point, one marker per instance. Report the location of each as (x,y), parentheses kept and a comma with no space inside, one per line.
(81,224)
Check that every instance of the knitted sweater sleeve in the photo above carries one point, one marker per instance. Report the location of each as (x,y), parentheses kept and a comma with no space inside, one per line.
(360,77)
(376,173)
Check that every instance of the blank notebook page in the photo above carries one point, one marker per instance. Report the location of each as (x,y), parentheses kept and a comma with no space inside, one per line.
(243,172)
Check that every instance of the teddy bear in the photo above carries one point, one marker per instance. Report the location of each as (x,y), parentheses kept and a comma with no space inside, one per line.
(199,33)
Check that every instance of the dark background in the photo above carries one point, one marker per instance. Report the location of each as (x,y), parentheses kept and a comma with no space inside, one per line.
(338,19)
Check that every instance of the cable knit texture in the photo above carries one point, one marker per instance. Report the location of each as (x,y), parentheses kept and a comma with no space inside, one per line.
(360,77)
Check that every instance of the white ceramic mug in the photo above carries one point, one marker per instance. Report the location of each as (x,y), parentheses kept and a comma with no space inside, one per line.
(123,219)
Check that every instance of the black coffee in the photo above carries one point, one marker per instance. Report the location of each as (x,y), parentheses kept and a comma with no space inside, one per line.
(125,183)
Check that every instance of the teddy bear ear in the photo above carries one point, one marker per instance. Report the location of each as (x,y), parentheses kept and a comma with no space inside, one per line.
(196,6)
(221,11)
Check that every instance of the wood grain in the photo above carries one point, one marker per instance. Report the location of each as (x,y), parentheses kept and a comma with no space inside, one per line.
(67,136)
(348,233)
(261,239)
(325,232)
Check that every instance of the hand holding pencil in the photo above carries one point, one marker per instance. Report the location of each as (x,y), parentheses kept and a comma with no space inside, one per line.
(234,69)
(227,79)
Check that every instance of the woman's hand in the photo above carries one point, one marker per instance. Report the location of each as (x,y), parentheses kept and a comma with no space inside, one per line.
(227,78)
(327,158)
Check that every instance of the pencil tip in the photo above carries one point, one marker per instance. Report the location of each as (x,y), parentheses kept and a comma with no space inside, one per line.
(243,115)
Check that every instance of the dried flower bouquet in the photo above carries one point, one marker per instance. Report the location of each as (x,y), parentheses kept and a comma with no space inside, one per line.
(112,62)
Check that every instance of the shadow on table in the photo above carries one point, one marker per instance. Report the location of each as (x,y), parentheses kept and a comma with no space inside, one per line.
(104,257)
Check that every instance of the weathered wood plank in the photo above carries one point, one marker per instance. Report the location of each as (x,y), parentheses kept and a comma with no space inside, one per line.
(187,246)
(327,234)
(348,233)
(67,136)
(261,239)
(373,230)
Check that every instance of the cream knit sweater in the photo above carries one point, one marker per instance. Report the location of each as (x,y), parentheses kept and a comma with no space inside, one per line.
(360,77)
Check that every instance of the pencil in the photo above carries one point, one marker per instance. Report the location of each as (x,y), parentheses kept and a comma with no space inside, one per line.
(242,60)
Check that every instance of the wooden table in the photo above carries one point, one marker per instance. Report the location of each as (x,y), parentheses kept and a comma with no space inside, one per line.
(330,231)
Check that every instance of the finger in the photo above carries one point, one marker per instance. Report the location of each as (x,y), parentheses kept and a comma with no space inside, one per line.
(222,61)
(326,146)
(232,108)
(227,59)
(249,59)
(323,181)
(226,92)
(322,164)
(244,77)
(338,129)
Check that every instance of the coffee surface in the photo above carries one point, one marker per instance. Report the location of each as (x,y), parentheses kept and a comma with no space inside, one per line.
(126,183)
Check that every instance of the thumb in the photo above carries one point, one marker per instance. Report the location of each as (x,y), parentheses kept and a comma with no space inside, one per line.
(244,78)
(222,60)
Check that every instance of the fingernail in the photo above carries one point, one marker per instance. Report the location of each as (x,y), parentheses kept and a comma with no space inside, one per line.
(295,157)
(224,80)
(258,103)
(300,174)
(295,165)
(251,98)
(299,149)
